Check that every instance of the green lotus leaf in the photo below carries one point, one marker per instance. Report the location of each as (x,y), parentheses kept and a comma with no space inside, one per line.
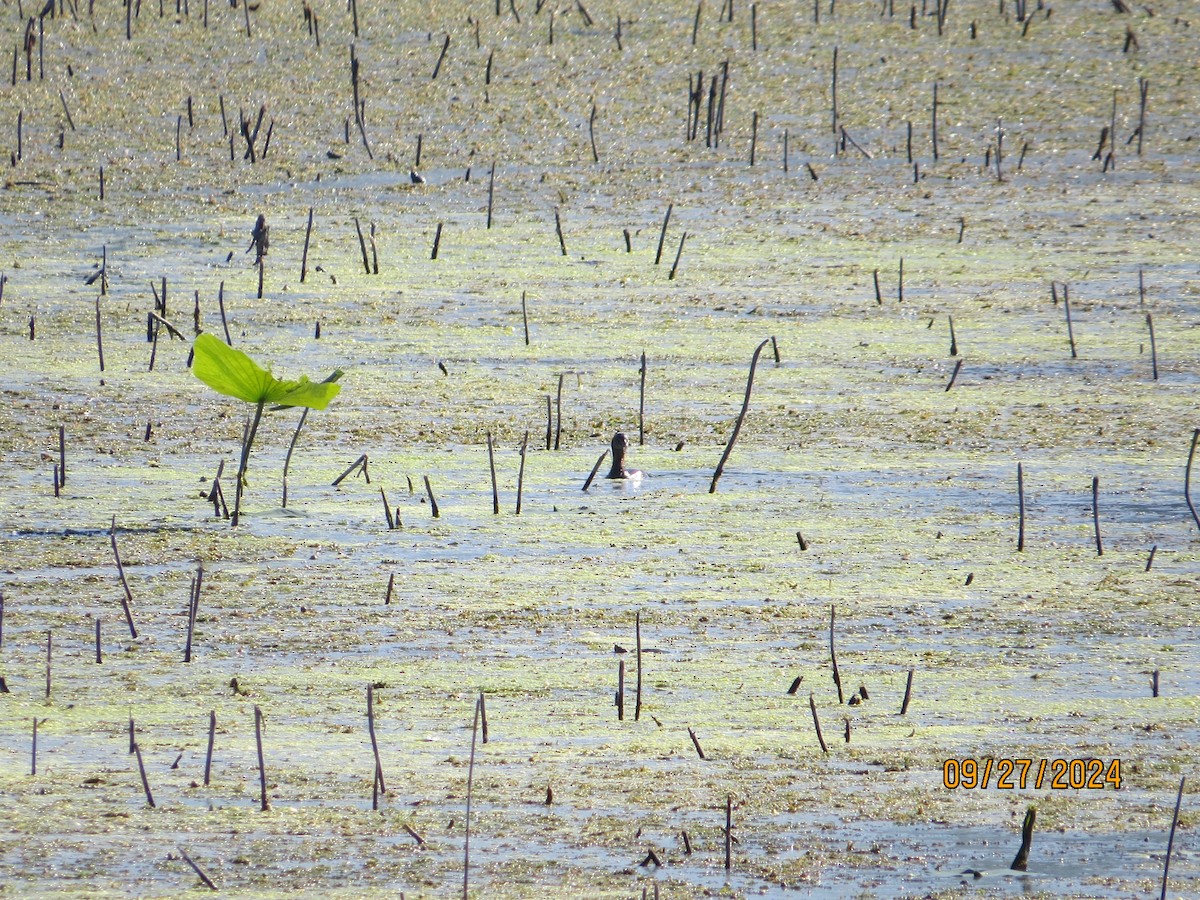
(234,374)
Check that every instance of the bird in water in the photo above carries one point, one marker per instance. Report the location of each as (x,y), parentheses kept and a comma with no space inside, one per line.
(620,444)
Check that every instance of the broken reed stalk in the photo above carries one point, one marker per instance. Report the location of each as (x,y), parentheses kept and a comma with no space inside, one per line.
(1021,862)
(307,237)
(549,421)
(696,744)
(221,306)
(387,510)
(958,364)
(637,697)
(374,747)
(433,504)
(437,241)
(741,417)
(99,336)
(1187,477)
(212,733)
(953,339)
(208,882)
(491,192)
(127,599)
(812,705)
(1067,311)
(441,58)
(907,693)
(642,402)
(620,698)
(596,468)
(287,460)
(678,255)
(1153,347)
(33,749)
(1171,838)
(1150,558)
(662,234)
(558,409)
(492,466)
(49,654)
(62,455)
(359,464)
(728,831)
(193,607)
(592,133)
(837,677)
(99,655)
(753,137)
(362,246)
(1020,508)
(521,472)
(525,318)
(1096,513)
(470,785)
(558,230)
(137,749)
(262,769)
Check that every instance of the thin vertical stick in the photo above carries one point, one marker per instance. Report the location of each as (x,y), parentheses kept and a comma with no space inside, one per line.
(812,705)
(1096,512)
(728,831)
(137,749)
(483,729)
(470,785)
(221,306)
(678,254)
(662,234)
(592,133)
(212,733)
(387,510)
(262,769)
(837,676)
(642,402)
(558,408)
(833,93)
(99,656)
(491,192)
(521,471)
(193,608)
(1020,508)
(437,241)
(525,318)
(637,701)
(33,751)
(900,283)
(99,336)
(558,230)
(49,653)
(492,467)
(362,246)
(753,137)
(741,418)
(62,454)
(754,27)
(374,745)
(934,117)
(1070,330)
(287,460)
(127,599)
(549,421)
(1187,477)
(307,238)
(621,691)
(433,506)
(907,693)
(878,292)
(1171,838)
(1153,347)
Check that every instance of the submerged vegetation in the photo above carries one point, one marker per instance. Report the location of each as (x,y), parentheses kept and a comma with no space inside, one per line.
(967,233)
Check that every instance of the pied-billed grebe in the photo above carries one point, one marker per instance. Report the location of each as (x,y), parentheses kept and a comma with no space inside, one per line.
(620,444)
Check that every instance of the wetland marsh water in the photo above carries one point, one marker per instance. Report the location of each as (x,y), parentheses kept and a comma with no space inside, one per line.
(905,492)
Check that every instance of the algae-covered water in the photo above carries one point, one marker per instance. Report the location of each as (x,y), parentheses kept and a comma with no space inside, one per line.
(875,473)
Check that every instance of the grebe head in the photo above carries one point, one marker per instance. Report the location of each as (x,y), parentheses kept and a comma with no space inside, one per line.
(620,443)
